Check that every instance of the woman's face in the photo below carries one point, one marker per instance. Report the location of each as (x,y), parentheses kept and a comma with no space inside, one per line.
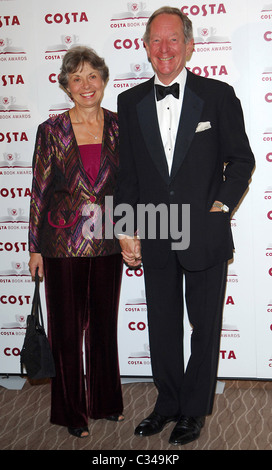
(86,86)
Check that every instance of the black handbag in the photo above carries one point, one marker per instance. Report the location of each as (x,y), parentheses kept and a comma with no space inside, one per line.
(36,354)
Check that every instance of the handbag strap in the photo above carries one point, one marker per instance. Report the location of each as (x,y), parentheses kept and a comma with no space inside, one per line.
(36,310)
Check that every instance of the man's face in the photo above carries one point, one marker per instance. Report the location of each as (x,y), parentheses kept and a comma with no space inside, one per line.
(167,50)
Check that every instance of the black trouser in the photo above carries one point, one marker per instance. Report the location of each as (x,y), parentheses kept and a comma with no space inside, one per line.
(188,392)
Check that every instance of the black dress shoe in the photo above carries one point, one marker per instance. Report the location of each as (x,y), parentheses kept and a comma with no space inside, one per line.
(186,430)
(153,424)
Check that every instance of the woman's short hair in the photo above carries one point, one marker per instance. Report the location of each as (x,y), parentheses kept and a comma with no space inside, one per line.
(75,58)
(187,24)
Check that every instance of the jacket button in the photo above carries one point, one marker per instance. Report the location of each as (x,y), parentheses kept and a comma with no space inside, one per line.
(92,198)
(172,193)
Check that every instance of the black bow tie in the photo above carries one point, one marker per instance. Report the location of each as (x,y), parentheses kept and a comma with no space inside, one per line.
(162,91)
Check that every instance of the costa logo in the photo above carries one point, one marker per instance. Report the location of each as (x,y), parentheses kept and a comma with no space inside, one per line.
(12,80)
(137,326)
(135,7)
(227,354)
(12,214)
(127,43)
(15,192)
(137,272)
(269,157)
(10,158)
(75,17)
(229,300)
(209,70)
(208,40)
(270,272)
(135,11)
(266,16)
(9,20)
(269,215)
(204,10)
(56,51)
(268,251)
(17,246)
(267,77)
(9,105)
(268,97)
(12,352)
(12,299)
(268,194)
(53,78)
(13,137)
(137,71)
(268,36)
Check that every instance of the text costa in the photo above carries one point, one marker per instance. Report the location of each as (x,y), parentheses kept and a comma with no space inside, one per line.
(17,246)
(208,70)
(212,8)
(134,272)
(66,18)
(14,192)
(268,36)
(9,20)
(139,326)
(11,299)
(12,80)
(127,43)
(13,352)
(13,136)
(53,77)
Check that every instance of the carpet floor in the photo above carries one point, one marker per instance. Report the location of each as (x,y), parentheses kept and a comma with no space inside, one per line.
(241,420)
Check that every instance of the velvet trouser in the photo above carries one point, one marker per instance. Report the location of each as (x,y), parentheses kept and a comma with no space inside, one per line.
(82,296)
(184,391)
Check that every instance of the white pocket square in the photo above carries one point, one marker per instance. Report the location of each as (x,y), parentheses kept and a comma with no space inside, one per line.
(203,126)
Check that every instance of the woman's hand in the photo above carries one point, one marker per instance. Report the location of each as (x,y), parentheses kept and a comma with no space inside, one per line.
(36,261)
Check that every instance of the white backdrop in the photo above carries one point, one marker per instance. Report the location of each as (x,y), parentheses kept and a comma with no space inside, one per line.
(233,42)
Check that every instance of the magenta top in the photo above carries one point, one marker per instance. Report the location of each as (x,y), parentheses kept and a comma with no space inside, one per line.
(90,156)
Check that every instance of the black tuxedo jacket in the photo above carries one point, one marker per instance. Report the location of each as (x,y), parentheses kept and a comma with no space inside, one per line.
(212,161)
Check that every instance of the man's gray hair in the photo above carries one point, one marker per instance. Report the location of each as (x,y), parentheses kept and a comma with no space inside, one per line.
(187,24)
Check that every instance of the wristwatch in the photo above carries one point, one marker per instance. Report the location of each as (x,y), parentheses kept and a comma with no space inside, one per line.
(221,206)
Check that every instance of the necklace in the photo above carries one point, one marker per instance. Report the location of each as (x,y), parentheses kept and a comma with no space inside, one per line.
(94,136)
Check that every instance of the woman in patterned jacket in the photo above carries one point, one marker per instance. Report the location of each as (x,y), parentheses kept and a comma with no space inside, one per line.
(74,169)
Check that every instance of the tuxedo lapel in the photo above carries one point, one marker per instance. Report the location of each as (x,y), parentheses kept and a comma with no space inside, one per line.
(189,118)
(149,124)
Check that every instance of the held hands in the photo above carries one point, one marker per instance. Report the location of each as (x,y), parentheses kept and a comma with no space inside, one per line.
(131,250)
(131,247)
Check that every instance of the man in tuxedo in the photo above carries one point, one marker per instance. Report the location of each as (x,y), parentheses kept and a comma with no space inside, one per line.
(184,150)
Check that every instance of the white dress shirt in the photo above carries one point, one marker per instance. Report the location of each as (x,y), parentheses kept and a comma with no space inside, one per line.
(168,110)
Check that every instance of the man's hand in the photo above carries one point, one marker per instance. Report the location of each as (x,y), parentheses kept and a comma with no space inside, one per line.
(215,209)
(131,250)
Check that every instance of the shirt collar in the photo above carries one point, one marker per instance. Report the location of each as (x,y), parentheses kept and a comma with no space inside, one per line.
(181,79)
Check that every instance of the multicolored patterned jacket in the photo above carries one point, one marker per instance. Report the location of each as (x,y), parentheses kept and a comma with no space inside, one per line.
(67,213)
